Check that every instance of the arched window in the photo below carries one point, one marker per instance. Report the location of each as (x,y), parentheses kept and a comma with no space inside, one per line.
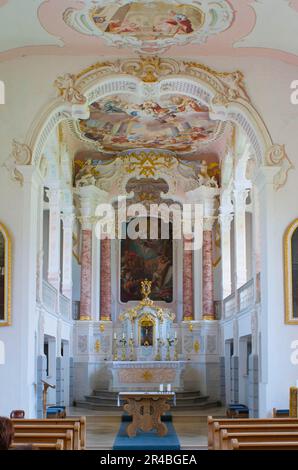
(291,273)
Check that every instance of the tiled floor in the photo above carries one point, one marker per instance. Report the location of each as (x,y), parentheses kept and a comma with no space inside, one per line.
(190,425)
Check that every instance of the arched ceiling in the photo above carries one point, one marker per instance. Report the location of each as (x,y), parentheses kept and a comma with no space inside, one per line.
(237,28)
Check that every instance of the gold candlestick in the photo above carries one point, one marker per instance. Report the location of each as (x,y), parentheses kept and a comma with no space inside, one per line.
(132,350)
(176,350)
(123,354)
(158,353)
(170,342)
(115,349)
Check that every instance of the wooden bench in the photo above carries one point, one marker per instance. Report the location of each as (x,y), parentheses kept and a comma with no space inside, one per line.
(45,438)
(48,428)
(235,445)
(42,446)
(81,420)
(280,413)
(256,437)
(215,425)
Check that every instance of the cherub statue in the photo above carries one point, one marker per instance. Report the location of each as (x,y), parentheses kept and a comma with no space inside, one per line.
(204,178)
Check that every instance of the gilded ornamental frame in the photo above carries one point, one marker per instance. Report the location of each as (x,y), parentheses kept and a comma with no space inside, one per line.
(6,321)
(290,318)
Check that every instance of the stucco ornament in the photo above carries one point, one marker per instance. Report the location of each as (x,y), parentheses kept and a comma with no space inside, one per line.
(20,155)
(203,177)
(67,89)
(75,101)
(277,156)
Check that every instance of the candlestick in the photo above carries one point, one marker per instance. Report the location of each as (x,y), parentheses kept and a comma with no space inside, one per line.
(176,349)
(132,352)
(115,348)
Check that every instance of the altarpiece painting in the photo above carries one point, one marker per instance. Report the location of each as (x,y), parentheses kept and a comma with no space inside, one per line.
(147,259)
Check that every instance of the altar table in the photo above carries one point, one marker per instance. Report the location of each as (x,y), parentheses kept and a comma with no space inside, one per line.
(146,409)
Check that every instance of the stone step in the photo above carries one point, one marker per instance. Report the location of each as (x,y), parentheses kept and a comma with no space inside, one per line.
(111,398)
(179,395)
(184,401)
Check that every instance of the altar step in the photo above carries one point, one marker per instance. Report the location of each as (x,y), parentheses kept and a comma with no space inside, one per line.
(104,399)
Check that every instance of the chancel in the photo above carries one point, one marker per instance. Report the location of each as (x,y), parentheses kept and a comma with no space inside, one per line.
(148,225)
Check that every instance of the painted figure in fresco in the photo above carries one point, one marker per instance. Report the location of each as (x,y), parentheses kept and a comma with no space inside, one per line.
(121,27)
(179,123)
(176,23)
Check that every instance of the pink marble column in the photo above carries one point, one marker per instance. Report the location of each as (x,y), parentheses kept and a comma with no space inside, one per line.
(86,275)
(208,302)
(187,283)
(105,279)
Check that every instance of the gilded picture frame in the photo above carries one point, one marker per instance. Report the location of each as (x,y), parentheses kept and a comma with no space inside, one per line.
(291,273)
(5,316)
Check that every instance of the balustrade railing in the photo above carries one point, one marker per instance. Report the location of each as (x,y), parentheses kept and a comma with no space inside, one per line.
(229,306)
(54,302)
(65,306)
(246,295)
(240,300)
(49,296)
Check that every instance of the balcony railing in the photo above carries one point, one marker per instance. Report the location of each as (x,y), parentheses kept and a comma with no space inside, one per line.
(246,295)
(49,296)
(229,306)
(54,303)
(240,300)
(64,306)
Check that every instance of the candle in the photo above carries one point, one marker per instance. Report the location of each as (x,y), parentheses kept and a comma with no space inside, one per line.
(161,388)
(123,335)
(169,387)
(115,335)
(175,334)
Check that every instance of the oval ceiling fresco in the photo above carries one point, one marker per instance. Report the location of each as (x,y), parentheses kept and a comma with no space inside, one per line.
(151,26)
(177,123)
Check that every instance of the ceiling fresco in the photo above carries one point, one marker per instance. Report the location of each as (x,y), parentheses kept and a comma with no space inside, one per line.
(176,123)
(234,28)
(151,26)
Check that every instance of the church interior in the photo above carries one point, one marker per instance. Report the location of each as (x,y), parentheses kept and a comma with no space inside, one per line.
(148,224)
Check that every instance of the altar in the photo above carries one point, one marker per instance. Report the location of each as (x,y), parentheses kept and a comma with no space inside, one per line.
(146,375)
(147,332)
(143,348)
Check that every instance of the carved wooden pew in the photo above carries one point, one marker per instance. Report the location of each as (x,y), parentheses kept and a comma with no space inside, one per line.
(215,425)
(42,446)
(45,438)
(250,436)
(235,445)
(81,420)
(49,429)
